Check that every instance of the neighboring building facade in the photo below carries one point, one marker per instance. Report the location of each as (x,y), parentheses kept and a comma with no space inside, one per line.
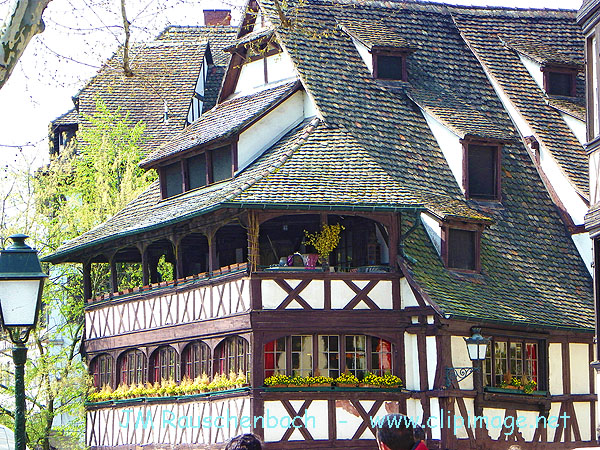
(589,19)
(457,173)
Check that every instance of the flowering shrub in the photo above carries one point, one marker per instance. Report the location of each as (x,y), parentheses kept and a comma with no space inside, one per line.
(168,388)
(387,380)
(277,379)
(346,378)
(326,240)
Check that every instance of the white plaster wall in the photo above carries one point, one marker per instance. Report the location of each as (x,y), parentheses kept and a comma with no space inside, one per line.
(555,369)
(577,127)
(461,431)
(411,359)
(528,425)
(276,409)
(534,68)
(585,248)
(348,419)
(269,129)
(196,105)
(385,252)
(414,410)
(495,418)
(272,295)
(341,294)
(252,76)
(319,427)
(435,420)
(594,172)
(449,143)
(579,362)
(365,54)
(584,419)
(381,294)
(434,230)
(407,296)
(310,106)
(430,345)
(460,358)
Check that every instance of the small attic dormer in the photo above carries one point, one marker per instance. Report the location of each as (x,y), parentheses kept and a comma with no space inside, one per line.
(383,49)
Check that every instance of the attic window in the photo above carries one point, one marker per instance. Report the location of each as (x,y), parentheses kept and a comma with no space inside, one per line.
(460,246)
(389,65)
(560,81)
(210,166)
(481,174)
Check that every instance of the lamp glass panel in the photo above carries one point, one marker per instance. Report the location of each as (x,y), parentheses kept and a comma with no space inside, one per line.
(472,349)
(482,350)
(18,300)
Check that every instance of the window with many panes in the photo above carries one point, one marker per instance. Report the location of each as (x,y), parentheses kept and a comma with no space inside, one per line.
(509,358)
(210,166)
(101,369)
(232,355)
(335,354)
(165,364)
(195,360)
(132,367)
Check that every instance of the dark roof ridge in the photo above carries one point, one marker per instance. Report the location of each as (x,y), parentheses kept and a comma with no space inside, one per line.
(194,27)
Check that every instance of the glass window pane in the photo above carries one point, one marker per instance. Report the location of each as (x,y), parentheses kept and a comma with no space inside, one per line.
(389,67)
(482,171)
(173,180)
(328,359)
(221,163)
(461,249)
(197,171)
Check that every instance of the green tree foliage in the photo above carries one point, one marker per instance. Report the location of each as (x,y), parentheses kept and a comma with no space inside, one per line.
(82,187)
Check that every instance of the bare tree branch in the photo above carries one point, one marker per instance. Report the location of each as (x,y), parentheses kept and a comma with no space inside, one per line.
(24,22)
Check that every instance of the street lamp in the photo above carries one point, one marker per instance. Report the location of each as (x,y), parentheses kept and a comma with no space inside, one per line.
(21,283)
(477,349)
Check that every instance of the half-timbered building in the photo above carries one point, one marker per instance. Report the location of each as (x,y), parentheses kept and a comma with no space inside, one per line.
(446,142)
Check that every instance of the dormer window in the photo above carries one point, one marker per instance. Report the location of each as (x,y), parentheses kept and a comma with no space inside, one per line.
(210,166)
(389,65)
(460,246)
(560,81)
(481,174)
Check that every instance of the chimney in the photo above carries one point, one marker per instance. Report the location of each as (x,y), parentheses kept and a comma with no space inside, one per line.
(214,17)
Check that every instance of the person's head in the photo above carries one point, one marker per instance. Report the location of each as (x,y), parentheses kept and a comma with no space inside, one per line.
(419,434)
(244,442)
(395,432)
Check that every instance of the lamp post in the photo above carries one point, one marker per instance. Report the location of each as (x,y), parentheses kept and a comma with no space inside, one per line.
(21,284)
(477,349)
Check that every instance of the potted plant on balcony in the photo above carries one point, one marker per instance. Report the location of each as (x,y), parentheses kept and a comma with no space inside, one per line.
(277,381)
(346,380)
(319,381)
(324,241)
(523,384)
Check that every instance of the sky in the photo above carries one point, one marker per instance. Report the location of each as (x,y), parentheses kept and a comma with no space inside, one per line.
(79,36)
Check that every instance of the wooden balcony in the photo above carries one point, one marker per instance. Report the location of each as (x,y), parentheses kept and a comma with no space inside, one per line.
(232,291)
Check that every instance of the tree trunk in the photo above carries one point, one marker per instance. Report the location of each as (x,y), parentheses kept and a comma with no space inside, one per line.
(24,22)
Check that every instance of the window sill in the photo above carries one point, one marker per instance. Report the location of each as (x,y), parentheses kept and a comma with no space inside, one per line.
(497,390)
(331,388)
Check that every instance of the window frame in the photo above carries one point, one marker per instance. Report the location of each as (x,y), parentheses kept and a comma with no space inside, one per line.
(592,82)
(98,375)
(542,359)
(124,357)
(546,70)
(222,352)
(188,368)
(208,153)
(402,53)
(156,364)
(466,144)
(342,353)
(477,228)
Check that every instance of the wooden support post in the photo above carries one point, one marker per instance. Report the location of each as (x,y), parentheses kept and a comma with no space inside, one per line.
(176,241)
(253,245)
(114,280)
(143,248)
(87,280)
(393,233)
(258,373)
(211,237)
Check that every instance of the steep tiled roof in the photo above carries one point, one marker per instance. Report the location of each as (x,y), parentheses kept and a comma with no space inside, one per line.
(165,74)
(531,271)
(568,106)
(312,166)
(373,33)
(555,31)
(68,118)
(541,52)
(221,122)
(218,36)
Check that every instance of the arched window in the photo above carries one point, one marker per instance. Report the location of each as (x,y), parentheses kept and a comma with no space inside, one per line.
(232,355)
(195,360)
(164,364)
(101,369)
(133,367)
